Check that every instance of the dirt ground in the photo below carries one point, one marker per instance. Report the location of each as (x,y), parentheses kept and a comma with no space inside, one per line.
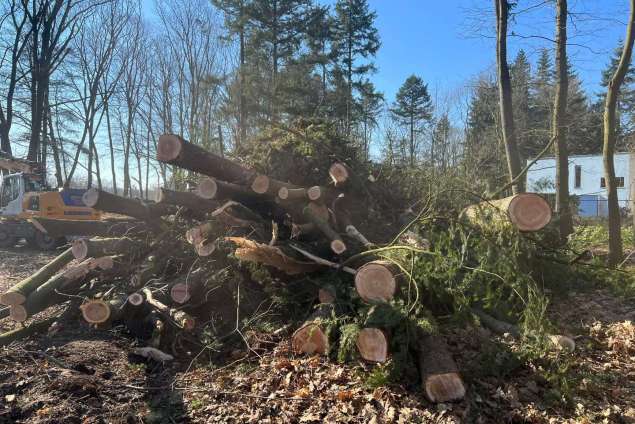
(84,375)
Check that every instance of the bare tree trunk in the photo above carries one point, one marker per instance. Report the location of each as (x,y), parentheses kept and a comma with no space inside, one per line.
(505,95)
(111,148)
(560,121)
(610,122)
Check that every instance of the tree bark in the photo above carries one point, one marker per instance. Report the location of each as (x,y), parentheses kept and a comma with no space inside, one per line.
(610,123)
(560,123)
(439,374)
(186,199)
(17,294)
(108,202)
(505,95)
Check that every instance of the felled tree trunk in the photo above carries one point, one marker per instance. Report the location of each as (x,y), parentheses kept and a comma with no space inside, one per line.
(183,291)
(21,333)
(186,199)
(527,212)
(17,294)
(108,202)
(66,227)
(46,296)
(377,281)
(99,312)
(440,376)
(311,337)
(372,345)
(263,184)
(180,318)
(174,150)
(340,174)
(214,189)
(83,249)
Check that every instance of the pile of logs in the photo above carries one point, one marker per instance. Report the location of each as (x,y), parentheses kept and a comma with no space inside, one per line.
(163,256)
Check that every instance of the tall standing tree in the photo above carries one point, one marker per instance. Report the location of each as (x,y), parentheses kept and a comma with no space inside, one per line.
(412,108)
(356,41)
(369,107)
(505,97)
(560,122)
(610,123)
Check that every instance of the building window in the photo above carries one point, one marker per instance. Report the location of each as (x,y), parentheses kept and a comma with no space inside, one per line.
(619,182)
(578,176)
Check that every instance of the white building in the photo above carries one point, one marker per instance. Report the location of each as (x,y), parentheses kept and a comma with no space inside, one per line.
(586,180)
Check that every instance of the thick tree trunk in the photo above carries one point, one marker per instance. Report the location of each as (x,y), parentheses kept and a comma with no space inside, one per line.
(377,281)
(527,212)
(505,95)
(610,122)
(186,199)
(439,374)
(108,202)
(17,294)
(22,332)
(560,123)
(66,227)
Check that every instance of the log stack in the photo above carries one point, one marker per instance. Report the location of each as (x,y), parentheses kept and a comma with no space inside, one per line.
(155,269)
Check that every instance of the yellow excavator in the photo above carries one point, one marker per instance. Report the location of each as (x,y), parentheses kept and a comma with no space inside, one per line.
(24,195)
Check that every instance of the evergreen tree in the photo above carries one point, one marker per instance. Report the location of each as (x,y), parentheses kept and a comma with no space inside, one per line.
(355,38)
(439,150)
(541,105)
(521,80)
(368,109)
(413,108)
(626,99)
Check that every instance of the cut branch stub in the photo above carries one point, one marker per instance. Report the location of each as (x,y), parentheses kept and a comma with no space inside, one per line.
(315,193)
(311,337)
(180,293)
(372,345)
(176,151)
(339,174)
(377,281)
(136,299)
(251,251)
(526,211)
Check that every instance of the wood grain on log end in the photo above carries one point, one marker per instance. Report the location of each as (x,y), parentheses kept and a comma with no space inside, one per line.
(168,148)
(136,299)
(529,212)
(207,188)
(80,249)
(260,184)
(18,313)
(193,235)
(444,387)
(180,293)
(314,193)
(339,173)
(326,295)
(338,246)
(90,197)
(95,311)
(372,345)
(310,339)
(12,298)
(376,281)
(283,193)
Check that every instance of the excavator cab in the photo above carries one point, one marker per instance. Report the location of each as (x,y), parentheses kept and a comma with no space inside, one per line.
(12,194)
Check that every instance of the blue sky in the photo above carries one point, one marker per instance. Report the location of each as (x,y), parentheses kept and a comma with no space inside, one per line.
(448,43)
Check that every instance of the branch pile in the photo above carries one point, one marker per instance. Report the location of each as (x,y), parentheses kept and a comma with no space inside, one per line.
(171,267)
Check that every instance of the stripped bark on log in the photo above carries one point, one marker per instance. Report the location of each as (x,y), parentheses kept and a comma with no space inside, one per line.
(251,251)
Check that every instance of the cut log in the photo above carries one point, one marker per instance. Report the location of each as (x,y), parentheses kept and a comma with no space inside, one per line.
(186,199)
(316,193)
(326,294)
(21,333)
(108,202)
(286,193)
(136,299)
(17,294)
(205,248)
(340,174)
(263,184)
(84,248)
(337,244)
(372,345)
(46,295)
(183,292)
(251,251)
(526,211)
(440,376)
(67,227)
(214,189)
(311,337)
(180,318)
(174,150)
(377,281)
(96,311)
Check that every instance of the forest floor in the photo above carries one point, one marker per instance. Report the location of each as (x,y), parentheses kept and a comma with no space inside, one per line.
(89,376)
